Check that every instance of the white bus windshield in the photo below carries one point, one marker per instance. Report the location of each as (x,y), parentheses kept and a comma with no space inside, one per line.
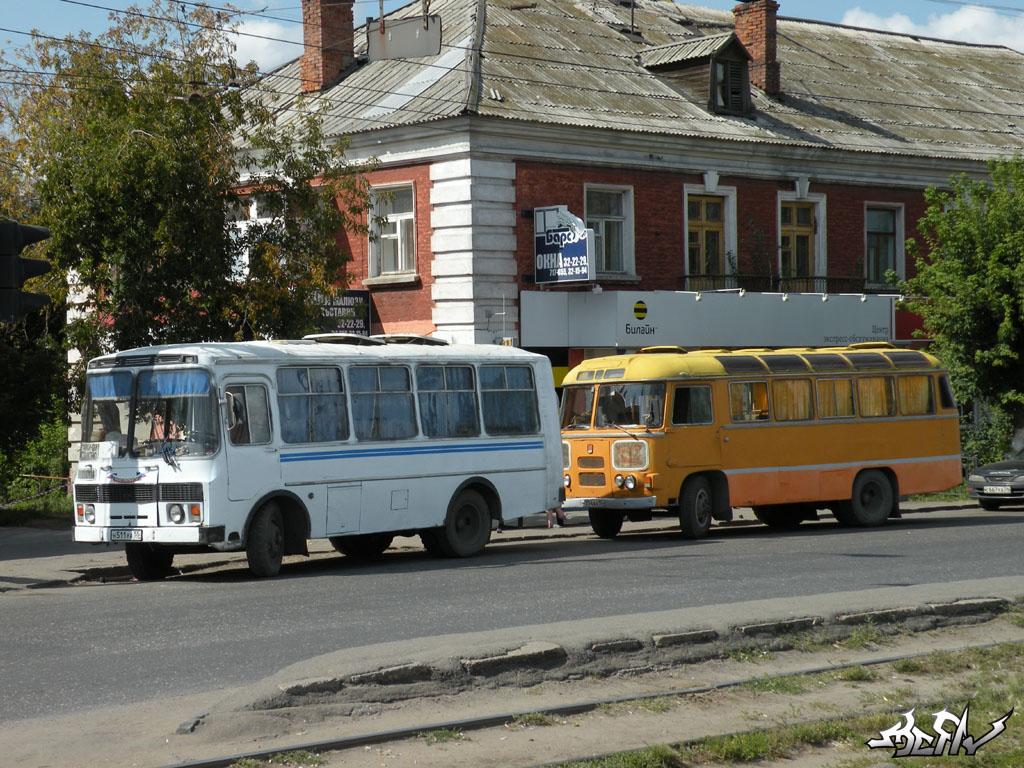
(170,413)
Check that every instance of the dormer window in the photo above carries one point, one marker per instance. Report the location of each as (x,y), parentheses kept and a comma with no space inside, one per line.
(731,88)
(712,70)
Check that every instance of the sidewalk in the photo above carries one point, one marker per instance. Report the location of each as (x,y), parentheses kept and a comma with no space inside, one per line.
(35,558)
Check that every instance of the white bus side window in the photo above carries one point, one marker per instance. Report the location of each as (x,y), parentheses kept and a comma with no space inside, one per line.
(692,405)
(509,400)
(447,401)
(249,415)
(312,405)
(382,405)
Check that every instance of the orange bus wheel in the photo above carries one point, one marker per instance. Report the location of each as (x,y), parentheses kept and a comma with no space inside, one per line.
(783,517)
(606,522)
(871,500)
(695,505)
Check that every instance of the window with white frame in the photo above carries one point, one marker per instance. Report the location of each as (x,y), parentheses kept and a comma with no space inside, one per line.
(883,233)
(609,212)
(393,249)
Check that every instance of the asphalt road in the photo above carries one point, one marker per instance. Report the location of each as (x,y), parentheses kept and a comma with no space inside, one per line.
(66,650)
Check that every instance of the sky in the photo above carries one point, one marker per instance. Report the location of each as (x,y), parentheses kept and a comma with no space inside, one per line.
(988,21)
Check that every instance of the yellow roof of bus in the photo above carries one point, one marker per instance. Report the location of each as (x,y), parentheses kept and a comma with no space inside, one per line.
(654,363)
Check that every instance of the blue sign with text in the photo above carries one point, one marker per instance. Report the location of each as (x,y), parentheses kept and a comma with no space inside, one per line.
(563,247)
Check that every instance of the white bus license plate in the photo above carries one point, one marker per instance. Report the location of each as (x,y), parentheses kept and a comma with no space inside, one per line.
(129,535)
(1003,490)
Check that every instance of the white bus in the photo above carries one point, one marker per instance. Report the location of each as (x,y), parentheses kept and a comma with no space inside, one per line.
(260,446)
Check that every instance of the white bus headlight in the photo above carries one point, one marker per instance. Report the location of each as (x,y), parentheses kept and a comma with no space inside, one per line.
(90,513)
(176,513)
(629,454)
(630,483)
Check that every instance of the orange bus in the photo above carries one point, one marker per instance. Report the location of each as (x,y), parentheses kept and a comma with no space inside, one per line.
(784,431)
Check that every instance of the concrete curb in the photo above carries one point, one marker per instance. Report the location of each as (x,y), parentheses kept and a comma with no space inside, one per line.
(539,661)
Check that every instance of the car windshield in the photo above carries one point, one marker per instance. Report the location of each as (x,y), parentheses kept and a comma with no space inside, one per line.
(625,405)
(170,413)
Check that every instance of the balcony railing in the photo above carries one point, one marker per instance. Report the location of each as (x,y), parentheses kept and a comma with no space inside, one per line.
(776,284)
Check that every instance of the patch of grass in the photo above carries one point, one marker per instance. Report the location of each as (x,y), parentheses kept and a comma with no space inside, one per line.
(658,705)
(53,511)
(789,684)
(535,719)
(749,655)
(442,736)
(864,636)
(953,494)
(858,674)
(656,756)
(909,667)
(298,758)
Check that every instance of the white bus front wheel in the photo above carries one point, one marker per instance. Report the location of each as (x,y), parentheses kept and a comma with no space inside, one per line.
(265,545)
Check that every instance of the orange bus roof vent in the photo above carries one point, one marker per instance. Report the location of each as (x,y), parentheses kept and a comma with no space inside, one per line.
(872,345)
(666,350)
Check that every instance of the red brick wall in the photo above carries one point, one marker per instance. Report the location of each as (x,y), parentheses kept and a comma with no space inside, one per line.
(327,33)
(658,210)
(402,308)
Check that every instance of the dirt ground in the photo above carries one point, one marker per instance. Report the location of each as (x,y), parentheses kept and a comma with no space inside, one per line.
(146,735)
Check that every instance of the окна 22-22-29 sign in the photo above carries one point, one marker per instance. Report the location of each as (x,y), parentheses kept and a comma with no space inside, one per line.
(563,247)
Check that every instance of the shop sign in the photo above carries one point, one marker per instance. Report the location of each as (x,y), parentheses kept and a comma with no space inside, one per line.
(563,247)
(347,312)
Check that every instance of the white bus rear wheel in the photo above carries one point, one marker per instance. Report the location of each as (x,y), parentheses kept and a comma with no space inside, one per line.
(467,527)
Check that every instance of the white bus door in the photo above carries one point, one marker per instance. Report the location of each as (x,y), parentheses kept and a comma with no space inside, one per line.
(252,460)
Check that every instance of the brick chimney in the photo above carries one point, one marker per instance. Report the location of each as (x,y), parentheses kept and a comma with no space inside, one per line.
(327,34)
(755,27)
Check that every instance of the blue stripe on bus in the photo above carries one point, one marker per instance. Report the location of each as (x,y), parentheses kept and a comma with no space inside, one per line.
(412,450)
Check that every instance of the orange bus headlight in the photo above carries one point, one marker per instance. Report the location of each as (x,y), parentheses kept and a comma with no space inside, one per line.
(629,454)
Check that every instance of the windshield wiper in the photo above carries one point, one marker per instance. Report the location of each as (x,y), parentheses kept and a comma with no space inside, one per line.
(167,451)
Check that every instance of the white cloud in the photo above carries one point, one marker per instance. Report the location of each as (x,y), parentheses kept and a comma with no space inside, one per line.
(267,54)
(969,24)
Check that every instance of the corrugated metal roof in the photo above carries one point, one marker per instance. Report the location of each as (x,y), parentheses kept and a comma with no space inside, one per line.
(688,50)
(568,62)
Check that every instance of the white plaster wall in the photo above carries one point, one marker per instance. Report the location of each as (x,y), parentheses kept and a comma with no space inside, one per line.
(472,219)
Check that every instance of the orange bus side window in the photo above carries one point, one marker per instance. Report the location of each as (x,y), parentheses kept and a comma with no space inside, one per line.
(692,405)
(749,401)
(835,398)
(916,397)
(876,396)
(792,399)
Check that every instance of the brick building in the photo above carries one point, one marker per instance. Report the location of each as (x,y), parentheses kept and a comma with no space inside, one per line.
(750,178)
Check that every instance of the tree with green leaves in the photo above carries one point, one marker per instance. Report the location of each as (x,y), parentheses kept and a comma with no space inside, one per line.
(969,291)
(138,143)
(137,148)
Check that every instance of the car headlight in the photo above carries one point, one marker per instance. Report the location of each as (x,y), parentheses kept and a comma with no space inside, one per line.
(176,513)
(976,479)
